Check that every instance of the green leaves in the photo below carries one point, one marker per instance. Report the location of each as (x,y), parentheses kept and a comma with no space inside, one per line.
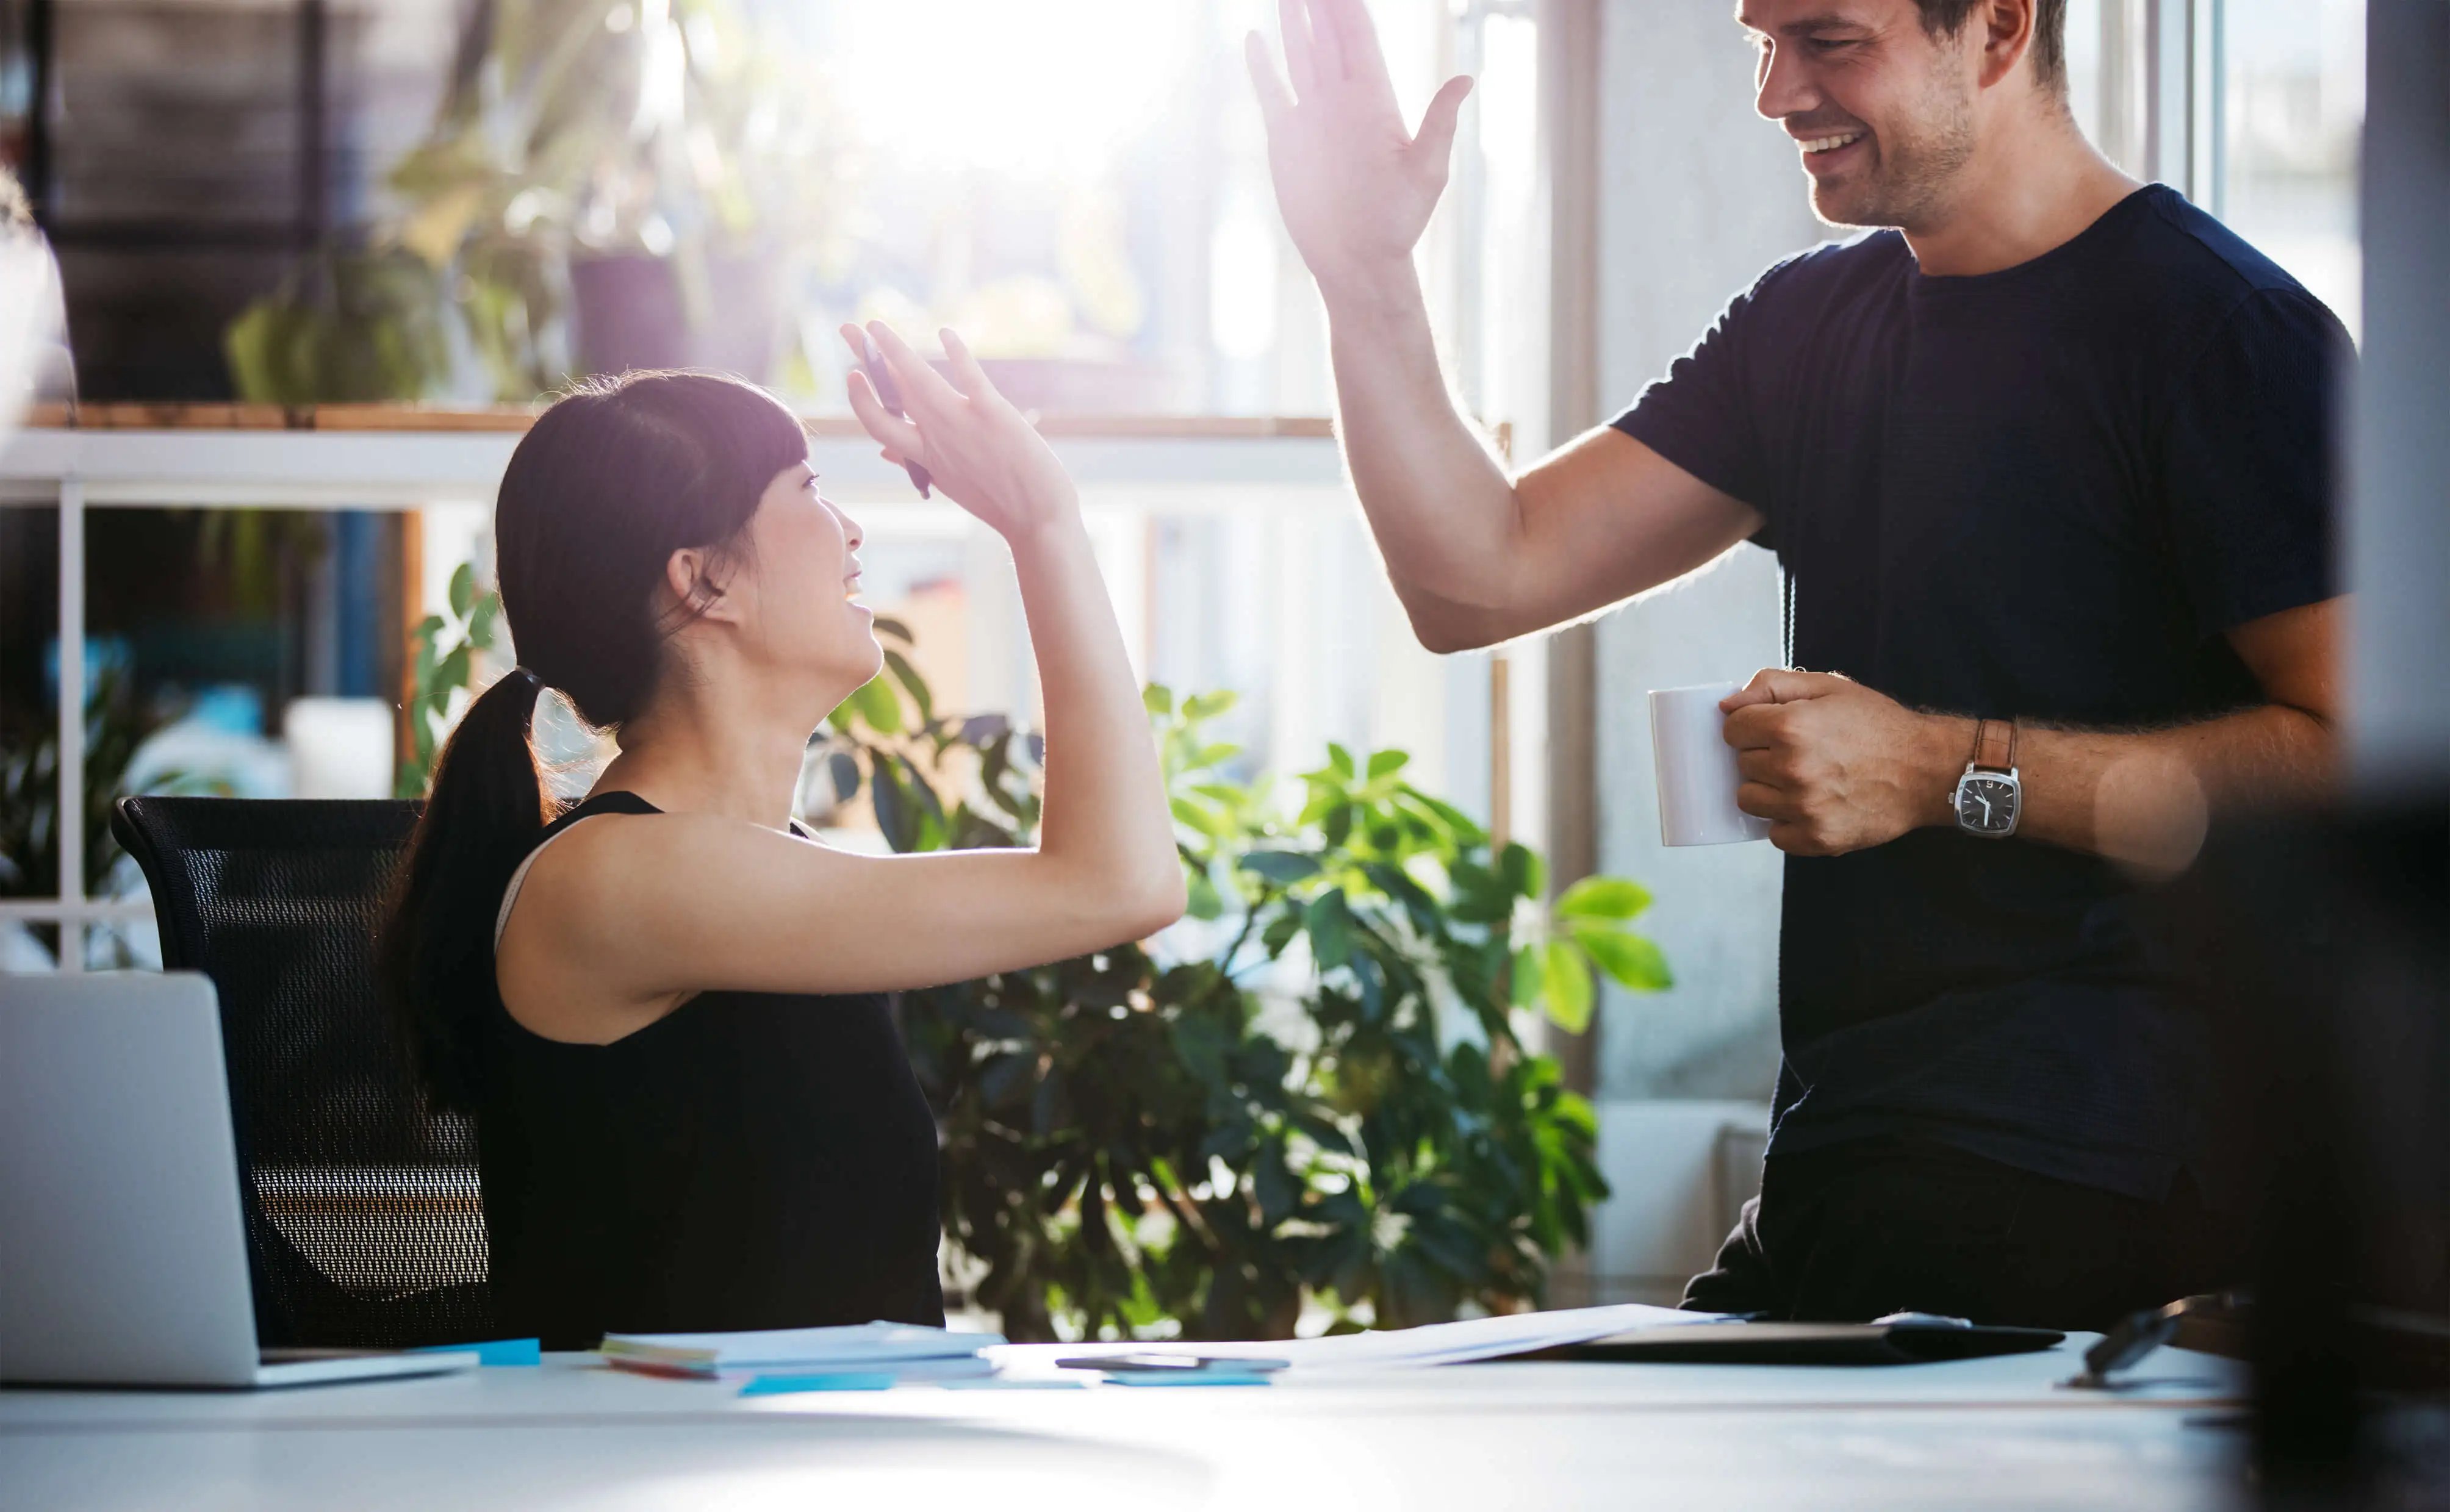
(1590,912)
(1625,955)
(442,659)
(1565,987)
(1524,873)
(907,676)
(1555,973)
(1136,1146)
(1602,898)
(1280,866)
(1331,924)
(346,324)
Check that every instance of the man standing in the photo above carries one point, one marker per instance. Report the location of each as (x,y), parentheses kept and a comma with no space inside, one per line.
(2045,459)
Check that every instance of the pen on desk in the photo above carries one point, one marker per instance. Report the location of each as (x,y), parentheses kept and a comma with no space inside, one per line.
(888,394)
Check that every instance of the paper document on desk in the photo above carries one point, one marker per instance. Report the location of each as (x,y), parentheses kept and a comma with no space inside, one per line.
(863,1345)
(1396,1348)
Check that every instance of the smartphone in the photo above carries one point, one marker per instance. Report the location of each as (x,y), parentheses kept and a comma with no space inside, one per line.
(888,394)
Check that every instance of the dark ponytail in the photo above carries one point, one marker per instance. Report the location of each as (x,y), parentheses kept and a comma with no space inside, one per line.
(484,812)
(608,483)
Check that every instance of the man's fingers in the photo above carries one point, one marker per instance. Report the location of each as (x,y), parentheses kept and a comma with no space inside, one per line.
(1796,837)
(1433,145)
(1760,764)
(1777,685)
(1357,35)
(1764,802)
(1326,47)
(1751,727)
(1296,26)
(1275,99)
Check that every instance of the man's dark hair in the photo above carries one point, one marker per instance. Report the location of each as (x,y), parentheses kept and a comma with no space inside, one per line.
(1945,18)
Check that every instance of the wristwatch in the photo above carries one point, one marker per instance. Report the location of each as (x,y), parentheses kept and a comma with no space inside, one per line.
(1988,797)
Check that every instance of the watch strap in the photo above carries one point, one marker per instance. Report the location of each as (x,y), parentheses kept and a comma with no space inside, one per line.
(1994,745)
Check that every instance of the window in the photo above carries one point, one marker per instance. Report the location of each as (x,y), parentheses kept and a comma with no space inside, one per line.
(1090,203)
(2292,106)
(2254,107)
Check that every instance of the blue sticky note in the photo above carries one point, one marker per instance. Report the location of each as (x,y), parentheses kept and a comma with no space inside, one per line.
(494,1351)
(1184,1378)
(775,1385)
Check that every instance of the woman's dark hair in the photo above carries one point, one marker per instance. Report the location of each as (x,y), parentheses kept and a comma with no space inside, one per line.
(620,473)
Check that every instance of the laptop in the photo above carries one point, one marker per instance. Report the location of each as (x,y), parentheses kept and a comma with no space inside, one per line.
(122,1248)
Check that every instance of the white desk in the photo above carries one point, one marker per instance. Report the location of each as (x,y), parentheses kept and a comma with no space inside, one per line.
(1978,1433)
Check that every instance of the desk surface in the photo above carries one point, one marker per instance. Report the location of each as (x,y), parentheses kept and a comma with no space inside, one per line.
(1551,1436)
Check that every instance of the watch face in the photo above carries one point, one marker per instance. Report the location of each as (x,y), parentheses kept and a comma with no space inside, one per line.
(1986,804)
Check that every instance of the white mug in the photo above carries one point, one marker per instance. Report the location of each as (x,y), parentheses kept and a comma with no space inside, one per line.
(1697,769)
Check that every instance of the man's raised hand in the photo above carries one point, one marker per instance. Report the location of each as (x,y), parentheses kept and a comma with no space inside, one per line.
(1354,187)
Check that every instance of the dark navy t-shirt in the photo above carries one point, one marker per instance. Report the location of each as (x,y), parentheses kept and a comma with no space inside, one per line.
(2043,493)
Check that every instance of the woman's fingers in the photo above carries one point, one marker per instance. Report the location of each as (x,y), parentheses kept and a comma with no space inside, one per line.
(888,429)
(968,376)
(925,392)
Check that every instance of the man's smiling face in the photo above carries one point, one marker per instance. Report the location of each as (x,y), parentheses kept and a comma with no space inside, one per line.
(1880,109)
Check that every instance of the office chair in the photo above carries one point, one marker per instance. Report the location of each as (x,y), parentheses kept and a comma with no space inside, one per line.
(366,1226)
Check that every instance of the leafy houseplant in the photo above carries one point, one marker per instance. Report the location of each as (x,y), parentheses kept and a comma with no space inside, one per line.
(440,670)
(344,326)
(1329,1106)
(673,142)
(116,724)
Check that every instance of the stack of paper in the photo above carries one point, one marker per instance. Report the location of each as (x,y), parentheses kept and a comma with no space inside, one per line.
(867,1351)
(1432,1344)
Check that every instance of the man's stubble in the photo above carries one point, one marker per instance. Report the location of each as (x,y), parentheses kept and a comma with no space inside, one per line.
(1917,170)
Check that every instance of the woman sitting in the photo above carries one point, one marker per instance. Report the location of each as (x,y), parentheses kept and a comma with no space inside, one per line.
(664,1005)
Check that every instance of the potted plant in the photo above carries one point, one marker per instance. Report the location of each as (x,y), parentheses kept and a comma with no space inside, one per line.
(607,183)
(1327,1106)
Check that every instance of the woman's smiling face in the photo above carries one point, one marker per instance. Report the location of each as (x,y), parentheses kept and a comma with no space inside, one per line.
(800,582)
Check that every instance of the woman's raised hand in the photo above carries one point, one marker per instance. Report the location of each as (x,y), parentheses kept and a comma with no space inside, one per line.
(982,452)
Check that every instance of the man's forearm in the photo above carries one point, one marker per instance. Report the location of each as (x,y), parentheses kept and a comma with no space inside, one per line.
(1835,767)
(1440,504)
(2143,797)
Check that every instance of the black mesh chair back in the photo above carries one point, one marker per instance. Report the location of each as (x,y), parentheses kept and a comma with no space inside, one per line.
(365,1225)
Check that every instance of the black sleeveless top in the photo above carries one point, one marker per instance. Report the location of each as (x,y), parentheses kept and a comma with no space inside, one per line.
(750,1160)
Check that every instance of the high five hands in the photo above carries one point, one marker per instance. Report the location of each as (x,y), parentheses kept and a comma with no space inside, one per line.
(1354,187)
